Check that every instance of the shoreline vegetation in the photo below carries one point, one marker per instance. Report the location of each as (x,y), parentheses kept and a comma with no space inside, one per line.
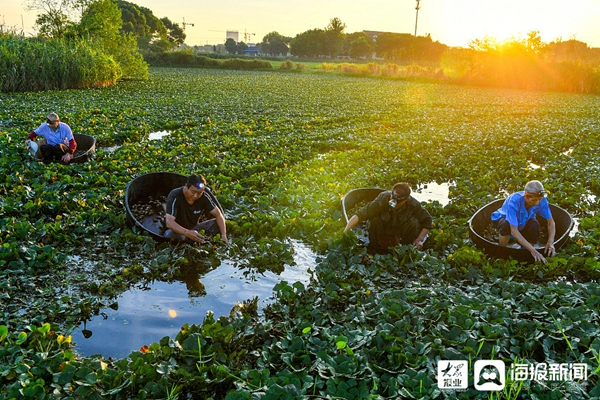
(457,66)
(40,64)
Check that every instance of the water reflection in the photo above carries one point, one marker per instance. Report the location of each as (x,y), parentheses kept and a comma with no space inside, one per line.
(147,314)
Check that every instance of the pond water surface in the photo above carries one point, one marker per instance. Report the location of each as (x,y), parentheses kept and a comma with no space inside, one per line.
(433,191)
(158,135)
(142,316)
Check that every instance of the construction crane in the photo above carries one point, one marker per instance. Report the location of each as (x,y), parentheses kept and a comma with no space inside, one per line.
(183,24)
(247,36)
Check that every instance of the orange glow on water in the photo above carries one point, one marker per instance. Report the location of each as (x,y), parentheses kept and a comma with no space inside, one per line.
(172,313)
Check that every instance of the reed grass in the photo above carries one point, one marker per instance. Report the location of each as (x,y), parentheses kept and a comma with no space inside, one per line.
(388,70)
(186,58)
(33,64)
(532,72)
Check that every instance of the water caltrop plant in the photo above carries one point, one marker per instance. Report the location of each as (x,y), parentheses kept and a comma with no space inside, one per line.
(279,150)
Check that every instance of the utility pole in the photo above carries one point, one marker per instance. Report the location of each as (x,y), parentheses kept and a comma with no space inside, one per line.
(417,18)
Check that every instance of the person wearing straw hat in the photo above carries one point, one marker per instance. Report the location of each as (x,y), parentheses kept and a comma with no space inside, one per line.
(517,218)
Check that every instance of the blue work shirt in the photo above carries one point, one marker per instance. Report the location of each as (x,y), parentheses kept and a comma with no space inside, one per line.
(62,135)
(513,209)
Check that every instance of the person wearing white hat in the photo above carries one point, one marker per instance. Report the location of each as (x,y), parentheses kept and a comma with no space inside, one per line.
(517,217)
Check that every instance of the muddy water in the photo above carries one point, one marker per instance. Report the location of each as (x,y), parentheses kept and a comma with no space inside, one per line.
(146,315)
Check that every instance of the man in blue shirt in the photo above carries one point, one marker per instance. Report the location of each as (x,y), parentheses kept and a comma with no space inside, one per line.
(60,144)
(517,217)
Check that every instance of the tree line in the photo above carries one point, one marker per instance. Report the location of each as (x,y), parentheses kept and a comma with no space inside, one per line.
(120,38)
(333,42)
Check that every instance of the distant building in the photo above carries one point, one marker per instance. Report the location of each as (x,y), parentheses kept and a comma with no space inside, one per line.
(233,35)
(252,50)
(373,34)
(211,48)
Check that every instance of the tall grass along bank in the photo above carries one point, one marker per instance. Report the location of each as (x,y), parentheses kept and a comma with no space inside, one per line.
(38,64)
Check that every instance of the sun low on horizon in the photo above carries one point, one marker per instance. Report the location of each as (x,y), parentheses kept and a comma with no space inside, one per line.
(459,22)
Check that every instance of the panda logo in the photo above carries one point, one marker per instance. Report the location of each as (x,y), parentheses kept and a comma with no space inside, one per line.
(490,375)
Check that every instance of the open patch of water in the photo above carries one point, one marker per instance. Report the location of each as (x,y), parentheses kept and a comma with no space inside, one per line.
(568,152)
(142,316)
(158,135)
(109,150)
(433,191)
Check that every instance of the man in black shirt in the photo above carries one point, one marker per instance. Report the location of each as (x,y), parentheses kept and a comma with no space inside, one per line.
(395,217)
(186,206)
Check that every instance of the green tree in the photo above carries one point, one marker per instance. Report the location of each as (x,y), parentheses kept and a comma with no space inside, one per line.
(175,34)
(559,50)
(360,48)
(53,26)
(309,44)
(334,37)
(351,37)
(54,18)
(231,46)
(532,44)
(144,25)
(393,46)
(486,44)
(275,44)
(101,24)
(240,47)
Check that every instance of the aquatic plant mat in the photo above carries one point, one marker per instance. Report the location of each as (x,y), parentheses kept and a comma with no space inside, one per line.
(279,150)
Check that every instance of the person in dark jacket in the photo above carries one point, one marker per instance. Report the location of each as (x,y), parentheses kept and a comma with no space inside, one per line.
(395,217)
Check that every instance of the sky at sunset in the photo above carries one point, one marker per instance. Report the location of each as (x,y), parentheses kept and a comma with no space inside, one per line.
(452,22)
